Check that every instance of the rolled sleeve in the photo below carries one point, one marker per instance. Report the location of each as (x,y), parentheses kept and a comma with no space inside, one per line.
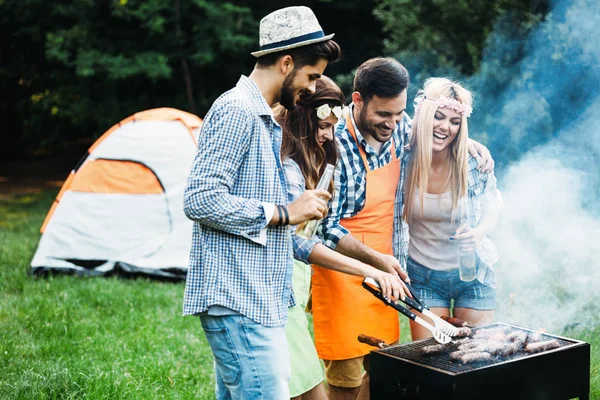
(207,198)
(303,247)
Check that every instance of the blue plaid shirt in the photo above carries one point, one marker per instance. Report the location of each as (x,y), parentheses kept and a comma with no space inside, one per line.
(234,261)
(350,174)
(483,195)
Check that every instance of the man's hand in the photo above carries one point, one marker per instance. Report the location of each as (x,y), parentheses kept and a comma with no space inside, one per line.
(477,150)
(311,205)
(391,286)
(392,265)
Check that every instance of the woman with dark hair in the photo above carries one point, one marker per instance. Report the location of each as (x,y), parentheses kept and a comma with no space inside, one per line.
(308,146)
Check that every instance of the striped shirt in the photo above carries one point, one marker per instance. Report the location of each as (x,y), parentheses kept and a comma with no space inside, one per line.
(234,261)
(483,195)
(350,174)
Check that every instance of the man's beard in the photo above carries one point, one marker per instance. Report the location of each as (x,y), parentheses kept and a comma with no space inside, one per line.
(288,98)
(365,126)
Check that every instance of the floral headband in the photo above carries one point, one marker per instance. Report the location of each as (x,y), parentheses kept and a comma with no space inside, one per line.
(325,110)
(445,102)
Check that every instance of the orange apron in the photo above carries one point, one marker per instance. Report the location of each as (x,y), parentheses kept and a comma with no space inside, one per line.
(342,308)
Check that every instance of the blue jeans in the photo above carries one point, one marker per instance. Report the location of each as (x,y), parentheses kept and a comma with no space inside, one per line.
(438,288)
(251,360)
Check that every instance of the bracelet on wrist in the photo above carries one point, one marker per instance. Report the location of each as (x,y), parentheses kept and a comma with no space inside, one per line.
(287,215)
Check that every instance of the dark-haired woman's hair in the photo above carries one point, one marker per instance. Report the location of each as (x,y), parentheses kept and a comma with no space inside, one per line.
(300,128)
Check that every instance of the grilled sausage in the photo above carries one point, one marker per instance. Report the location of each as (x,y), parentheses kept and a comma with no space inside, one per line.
(463,332)
(517,336)
(471,344)
(459,323)
(533,337)
(456,355)
(433,349)
(497,333)
(511,348)
(542,346)
(475,357)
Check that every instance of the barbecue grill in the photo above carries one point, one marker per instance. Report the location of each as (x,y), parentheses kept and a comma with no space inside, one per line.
(404,372)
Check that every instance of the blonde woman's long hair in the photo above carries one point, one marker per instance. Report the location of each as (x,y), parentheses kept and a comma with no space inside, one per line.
(422,140)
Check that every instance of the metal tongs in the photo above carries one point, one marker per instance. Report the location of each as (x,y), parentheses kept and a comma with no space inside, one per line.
(442,331)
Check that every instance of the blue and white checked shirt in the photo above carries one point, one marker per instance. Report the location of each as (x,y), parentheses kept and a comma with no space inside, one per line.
(297,186)
(483,195)
(236,170)
(350,174)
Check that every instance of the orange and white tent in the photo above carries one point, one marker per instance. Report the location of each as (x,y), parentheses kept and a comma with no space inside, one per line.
(121,208)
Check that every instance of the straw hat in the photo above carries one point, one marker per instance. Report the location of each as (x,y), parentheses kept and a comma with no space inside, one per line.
(289,28)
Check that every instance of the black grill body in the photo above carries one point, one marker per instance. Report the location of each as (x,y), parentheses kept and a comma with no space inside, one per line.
(402,372)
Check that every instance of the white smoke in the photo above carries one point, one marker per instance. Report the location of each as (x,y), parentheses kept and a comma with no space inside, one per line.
(549,235)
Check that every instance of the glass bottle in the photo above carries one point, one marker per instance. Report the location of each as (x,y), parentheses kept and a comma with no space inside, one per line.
(308,228)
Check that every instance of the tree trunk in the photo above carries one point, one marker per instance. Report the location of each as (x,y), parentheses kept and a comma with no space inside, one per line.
(187,78)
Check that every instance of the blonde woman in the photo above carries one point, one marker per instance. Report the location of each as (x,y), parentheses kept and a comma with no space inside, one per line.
(443,187)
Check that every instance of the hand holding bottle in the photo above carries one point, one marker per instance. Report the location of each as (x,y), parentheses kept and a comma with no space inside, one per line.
(307,229)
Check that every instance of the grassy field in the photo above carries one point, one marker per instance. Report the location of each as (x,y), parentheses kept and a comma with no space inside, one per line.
(70,337)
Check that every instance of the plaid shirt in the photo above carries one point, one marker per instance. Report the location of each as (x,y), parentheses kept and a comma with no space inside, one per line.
(483,195)
(350,174)
(297,186)
(234,261)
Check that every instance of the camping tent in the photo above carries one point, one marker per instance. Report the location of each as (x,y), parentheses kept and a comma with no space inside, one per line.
(121,208)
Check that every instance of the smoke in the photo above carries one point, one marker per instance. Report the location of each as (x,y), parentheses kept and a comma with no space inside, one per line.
(540,117)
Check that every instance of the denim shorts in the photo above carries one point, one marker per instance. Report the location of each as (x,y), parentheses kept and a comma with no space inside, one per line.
(438,288)
(251,360)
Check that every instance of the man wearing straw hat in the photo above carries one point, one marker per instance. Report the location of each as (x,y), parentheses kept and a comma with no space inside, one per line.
(240,274)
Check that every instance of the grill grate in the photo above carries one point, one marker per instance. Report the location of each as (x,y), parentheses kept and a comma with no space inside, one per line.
(412,352)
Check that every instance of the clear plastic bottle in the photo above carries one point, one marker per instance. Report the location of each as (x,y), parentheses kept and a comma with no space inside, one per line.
(308,228)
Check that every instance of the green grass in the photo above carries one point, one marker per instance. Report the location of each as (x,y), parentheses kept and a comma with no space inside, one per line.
(68,337)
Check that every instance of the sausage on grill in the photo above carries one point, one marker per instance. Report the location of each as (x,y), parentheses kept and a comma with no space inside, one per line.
(459,323)
(471,344)
(463,332)
(542,346)
(475,357)
(433,349)
(517,336)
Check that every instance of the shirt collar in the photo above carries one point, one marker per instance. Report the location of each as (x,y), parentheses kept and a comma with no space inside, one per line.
(257,100)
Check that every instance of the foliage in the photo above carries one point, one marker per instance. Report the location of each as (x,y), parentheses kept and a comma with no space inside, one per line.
(449,33)
(73,69)
(82,66)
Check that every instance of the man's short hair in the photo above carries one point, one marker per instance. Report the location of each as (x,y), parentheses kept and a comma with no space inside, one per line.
(381,77)
(305,55)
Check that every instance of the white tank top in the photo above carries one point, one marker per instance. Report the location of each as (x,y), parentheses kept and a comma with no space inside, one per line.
(429,233)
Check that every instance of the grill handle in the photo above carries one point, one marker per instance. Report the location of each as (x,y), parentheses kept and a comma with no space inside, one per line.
(417,300)
(377,293)
(371,341)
